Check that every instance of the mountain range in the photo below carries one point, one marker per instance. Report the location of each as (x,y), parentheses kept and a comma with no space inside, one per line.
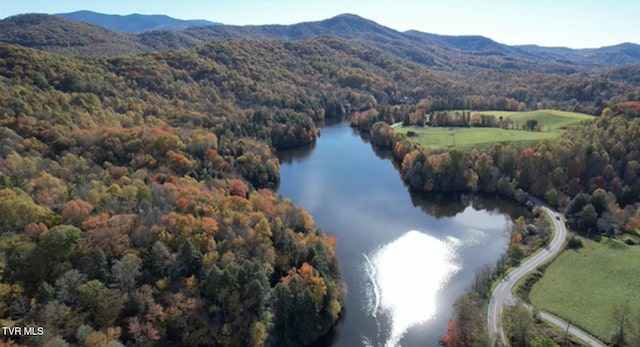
(457,54)
(134,23)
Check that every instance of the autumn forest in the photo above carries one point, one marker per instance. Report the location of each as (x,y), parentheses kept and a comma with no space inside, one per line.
(137,202)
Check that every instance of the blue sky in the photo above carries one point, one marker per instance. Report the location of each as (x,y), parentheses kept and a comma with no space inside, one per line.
(570,23)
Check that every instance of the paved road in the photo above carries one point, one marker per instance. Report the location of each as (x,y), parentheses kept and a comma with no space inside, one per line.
(502,294)
(586,338)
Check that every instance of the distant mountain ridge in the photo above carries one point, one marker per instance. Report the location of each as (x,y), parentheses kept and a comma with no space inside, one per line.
(59,35)
(458,54)
(134,23)
(620,54)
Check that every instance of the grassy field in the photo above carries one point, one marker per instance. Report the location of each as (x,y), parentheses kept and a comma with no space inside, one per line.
(585,285)
(554,123)
(553,120)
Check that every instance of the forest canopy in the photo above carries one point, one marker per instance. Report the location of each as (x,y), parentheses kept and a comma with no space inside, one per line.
(134,210)
(136,190)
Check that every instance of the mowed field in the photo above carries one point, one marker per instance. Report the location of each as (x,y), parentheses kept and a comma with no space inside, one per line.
(584,286)
(555,122)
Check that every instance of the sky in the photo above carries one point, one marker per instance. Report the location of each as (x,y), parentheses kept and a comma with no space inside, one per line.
(568,23)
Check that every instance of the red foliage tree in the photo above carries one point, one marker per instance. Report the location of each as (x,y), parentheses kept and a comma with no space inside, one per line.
(76,211)
(34,230)
(450,339)
(238,188)
(182,204)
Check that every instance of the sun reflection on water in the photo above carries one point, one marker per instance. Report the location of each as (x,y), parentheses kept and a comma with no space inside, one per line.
(405,278)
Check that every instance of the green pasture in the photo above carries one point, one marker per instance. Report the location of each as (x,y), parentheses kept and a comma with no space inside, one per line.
(555,122)
(584,286)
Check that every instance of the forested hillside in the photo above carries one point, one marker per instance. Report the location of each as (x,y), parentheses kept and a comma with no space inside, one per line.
(59,35)
(133,205)
(136,202)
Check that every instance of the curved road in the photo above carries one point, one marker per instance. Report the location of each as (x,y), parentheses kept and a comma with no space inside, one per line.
(502,296)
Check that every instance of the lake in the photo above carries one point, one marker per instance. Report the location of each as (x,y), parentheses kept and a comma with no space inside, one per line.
(405,258)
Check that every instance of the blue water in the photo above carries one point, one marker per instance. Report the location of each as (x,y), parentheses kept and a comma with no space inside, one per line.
(404,258)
